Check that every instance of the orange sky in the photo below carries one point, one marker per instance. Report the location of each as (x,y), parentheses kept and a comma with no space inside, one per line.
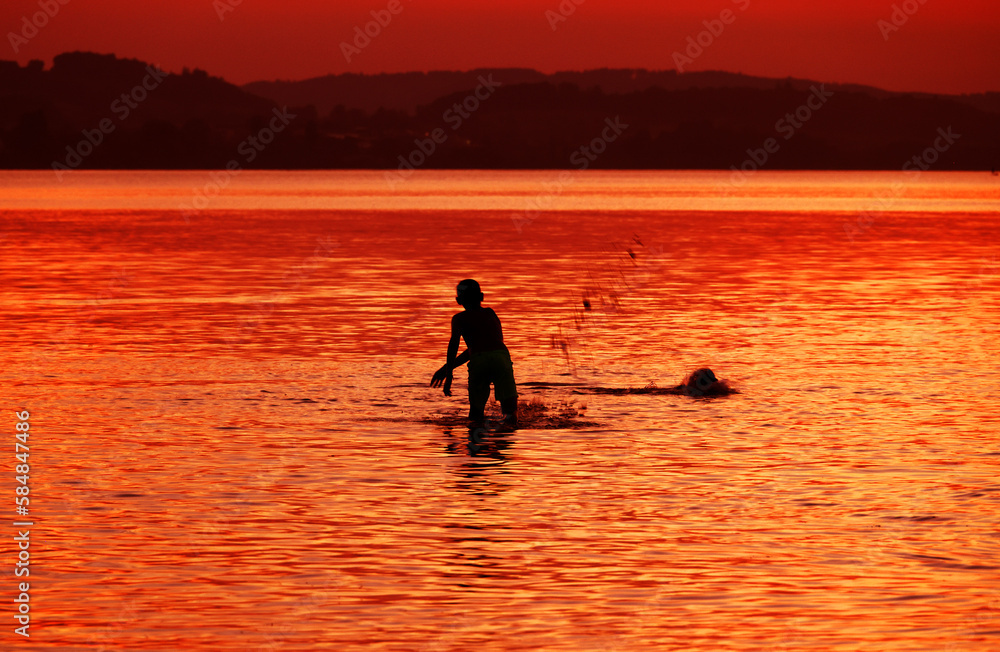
(942,47)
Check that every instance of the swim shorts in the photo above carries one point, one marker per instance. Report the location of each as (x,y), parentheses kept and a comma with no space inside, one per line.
(491,367)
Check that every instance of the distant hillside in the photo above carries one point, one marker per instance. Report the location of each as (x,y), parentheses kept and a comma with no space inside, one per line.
(407,91)
(395,92)
(97,111)
(545,126)
(175,120)
(989,102)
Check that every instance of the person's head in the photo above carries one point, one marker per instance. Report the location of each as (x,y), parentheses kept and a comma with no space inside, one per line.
(701,381)
(468,293)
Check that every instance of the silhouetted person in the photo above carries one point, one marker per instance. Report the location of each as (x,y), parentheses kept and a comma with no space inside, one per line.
(703,383)
(487,355)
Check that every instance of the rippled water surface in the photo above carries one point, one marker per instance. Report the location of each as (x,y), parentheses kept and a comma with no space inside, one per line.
(234,447)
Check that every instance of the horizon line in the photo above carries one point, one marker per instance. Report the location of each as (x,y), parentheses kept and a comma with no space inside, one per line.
(49,64)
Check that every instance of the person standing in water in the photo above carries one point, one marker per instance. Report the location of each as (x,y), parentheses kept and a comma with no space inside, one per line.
(487,355)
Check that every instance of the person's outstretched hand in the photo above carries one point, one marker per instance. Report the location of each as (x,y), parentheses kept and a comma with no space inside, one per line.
(442,376)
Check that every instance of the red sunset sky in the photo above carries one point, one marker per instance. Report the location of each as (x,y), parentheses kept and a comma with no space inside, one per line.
(943,47)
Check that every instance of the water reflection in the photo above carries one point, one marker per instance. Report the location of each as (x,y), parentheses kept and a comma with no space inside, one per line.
(223,467)
(483,458)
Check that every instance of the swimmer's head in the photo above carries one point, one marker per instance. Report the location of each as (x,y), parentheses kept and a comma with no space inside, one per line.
(699,382)
(468,293)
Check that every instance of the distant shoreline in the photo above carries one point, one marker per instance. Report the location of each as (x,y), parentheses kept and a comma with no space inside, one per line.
(91,111)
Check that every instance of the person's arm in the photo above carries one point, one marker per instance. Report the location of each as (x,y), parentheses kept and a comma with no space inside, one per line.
(448,366)
(460,360)
(456,337)
(444,375)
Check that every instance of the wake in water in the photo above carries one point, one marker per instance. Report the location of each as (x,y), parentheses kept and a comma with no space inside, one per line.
(702,383)
(534,414)
(564,414)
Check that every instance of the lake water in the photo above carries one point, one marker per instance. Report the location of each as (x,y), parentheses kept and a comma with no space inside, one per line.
(233,445)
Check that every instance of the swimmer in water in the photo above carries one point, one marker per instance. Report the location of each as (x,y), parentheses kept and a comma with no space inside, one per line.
(703,383)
